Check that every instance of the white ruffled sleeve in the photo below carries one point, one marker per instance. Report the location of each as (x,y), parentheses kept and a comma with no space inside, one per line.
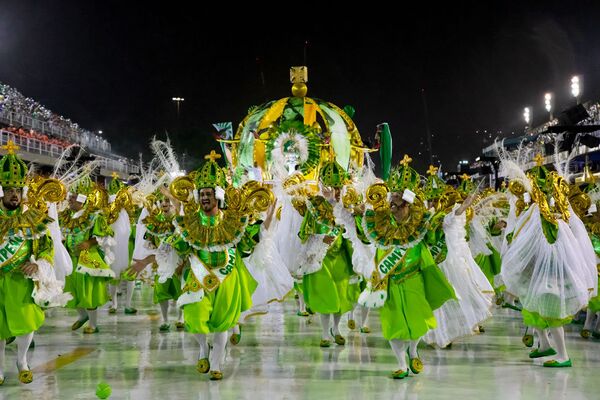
(47,291)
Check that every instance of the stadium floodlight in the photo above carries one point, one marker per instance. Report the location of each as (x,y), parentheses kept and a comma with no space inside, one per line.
(178,101)
(576,86)
(548,101)
(527,115)
(548,104)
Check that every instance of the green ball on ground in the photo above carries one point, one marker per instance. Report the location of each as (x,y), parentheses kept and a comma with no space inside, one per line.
(103,390)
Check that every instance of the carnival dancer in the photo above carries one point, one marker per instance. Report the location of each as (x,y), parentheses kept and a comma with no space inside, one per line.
(405,284)
(218,287)
(461,316)
(347,213)
(119,213)
(331,287)
(588,209)
(545,265)
(89,242)
(27,279)
(153,229)
(483,236)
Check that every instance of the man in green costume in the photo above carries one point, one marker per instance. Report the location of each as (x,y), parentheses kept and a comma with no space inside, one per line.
(218,287)
(26,258)
(406,282)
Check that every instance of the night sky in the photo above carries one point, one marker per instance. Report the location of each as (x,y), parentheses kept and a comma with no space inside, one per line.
(115,67)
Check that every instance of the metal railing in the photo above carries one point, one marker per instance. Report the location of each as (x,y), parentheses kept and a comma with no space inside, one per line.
(35,146)
(79,136)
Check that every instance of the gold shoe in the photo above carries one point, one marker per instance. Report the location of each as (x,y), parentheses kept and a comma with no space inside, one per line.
(528,340)
(79,323)
(203,366)
(112,310)
(325,343)
(216,375)
(88,330)
(586,333)
(365,329)
(339,339)
(400,374)
(179,326)
(236,337)
(351,324)
(1,381)
(416,365)
(25,376)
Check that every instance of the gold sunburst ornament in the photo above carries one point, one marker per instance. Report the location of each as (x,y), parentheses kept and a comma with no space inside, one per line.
(33,221)
(242,203)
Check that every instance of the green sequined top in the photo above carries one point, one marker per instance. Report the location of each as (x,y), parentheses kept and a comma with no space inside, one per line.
(16,250)
(216,259)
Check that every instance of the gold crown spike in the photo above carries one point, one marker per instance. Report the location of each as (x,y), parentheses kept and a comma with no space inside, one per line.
(10,147)
(212,156)
(539,160)
(114,175)
(406,160)
(465,177)
(432,170)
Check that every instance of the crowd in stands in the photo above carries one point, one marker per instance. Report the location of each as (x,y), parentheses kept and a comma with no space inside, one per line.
(31,134)
(13,101)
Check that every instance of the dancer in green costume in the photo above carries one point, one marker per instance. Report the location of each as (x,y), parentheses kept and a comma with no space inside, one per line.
(155,227)
(406,284)
(88,239)
(27,279)
(120,214)
(591,220)
(218,287)
(329,287)
(550,263)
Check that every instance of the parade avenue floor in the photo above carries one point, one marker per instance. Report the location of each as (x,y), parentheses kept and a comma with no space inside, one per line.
(279,358)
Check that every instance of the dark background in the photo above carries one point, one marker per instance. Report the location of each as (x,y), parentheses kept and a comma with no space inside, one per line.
(114,66)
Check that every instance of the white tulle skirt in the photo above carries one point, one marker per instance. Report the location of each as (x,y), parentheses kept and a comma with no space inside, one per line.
(458,318)
(122,230)
(288,244)
(63,265)
(553,280)
(270,272)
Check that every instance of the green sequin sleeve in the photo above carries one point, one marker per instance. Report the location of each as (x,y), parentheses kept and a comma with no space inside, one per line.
(182,248)
(360,231)
(101,227)
(43,248)
(250,239)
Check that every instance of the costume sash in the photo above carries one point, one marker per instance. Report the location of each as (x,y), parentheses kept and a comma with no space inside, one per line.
(8,250)
(208,278)
(389,263)
(437,249)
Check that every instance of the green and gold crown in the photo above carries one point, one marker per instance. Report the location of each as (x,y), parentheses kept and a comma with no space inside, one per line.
(540,176)
(435,186)
(84,186)
(466,186)
(403,177)
(13,171)
(115,184)
(333,175)
(210,175)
